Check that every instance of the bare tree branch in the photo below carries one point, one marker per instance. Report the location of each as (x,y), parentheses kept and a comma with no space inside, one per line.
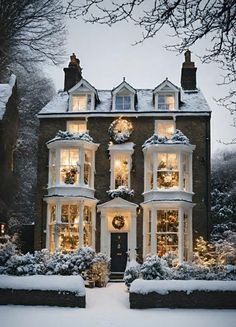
(31,31)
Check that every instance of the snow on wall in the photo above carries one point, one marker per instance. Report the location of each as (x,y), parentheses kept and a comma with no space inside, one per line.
(5,93)
(39,282)
(190,101)
(141,286)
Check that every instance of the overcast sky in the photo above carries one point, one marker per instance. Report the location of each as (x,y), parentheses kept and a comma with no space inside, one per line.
(107,54)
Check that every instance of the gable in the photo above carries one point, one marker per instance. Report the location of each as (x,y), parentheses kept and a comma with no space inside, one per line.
(82,86)
(166,86)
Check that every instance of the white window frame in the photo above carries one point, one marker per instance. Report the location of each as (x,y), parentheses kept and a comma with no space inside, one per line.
(126,149)
(166,93)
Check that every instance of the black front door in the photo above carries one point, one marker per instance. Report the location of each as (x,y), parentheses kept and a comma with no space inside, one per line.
(118,252)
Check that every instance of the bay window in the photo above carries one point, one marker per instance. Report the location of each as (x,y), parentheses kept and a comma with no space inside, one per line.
(168,168)
(167,229)
(70,225)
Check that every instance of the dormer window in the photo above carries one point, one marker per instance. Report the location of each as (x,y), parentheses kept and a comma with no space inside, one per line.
(81,102)
(123,102)
(166,96)
(166,102)
(83,97)
(124,96)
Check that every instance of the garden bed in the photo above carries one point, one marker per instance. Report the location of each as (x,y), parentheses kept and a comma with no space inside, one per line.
(146,294)
(64,291)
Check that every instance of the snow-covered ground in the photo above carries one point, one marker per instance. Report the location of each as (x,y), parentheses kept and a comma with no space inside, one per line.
(109,307)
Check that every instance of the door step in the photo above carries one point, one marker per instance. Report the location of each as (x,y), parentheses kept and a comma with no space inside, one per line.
(116,277)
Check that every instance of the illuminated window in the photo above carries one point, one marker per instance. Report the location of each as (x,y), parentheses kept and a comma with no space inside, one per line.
(186,181)
(167,171)
(53,167)
(69,166)
(77,126)
(165,128)
(64,229)
(167,231)
(81,102)
(69,228)
(87,167)
(123,102)
(87,223)
(166,102)
(121,170)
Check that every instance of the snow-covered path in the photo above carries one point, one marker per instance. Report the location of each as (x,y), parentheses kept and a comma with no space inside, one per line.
(109,307)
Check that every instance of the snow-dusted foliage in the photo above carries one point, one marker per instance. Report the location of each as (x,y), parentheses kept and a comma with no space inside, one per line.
(155,139)
(177,138)
(155,268)
(121,191)
(34,92)
(131,273)
(8,248)
(58,263)
(66,135)
(223,196)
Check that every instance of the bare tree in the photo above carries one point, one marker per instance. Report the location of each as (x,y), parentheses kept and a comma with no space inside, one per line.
(189,20)
(31,31)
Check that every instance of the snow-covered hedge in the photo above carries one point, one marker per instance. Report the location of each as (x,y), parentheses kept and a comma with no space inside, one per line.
(44,263)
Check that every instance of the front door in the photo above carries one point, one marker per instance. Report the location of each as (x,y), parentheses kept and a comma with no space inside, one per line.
(118,252)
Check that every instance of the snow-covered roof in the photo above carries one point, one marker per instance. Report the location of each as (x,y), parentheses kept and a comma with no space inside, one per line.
(5,93)
(191,101)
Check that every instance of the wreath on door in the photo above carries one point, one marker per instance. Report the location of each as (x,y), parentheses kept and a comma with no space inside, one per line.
(118,222)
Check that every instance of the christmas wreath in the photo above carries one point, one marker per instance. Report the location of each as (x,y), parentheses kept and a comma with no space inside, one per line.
(118,222)
(120,130)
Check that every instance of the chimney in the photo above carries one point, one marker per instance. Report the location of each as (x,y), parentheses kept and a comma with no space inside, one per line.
(73,73)
(188,73)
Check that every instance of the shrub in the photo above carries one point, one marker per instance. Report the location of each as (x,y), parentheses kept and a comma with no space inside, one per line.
(131,273)
(155,268)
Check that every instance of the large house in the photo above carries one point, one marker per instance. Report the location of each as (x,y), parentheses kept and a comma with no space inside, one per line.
(125,171)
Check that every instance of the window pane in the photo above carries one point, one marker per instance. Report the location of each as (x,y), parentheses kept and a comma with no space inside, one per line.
(165,128)
(77,127)
(87,167)
(87,222)
(186,172)
(69,229)
(123,102)
(167,231)
(53,167)
(186,245)
(52,213)
(79,102)
(121,170)
(69,166)
(167,171)
(166,102)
